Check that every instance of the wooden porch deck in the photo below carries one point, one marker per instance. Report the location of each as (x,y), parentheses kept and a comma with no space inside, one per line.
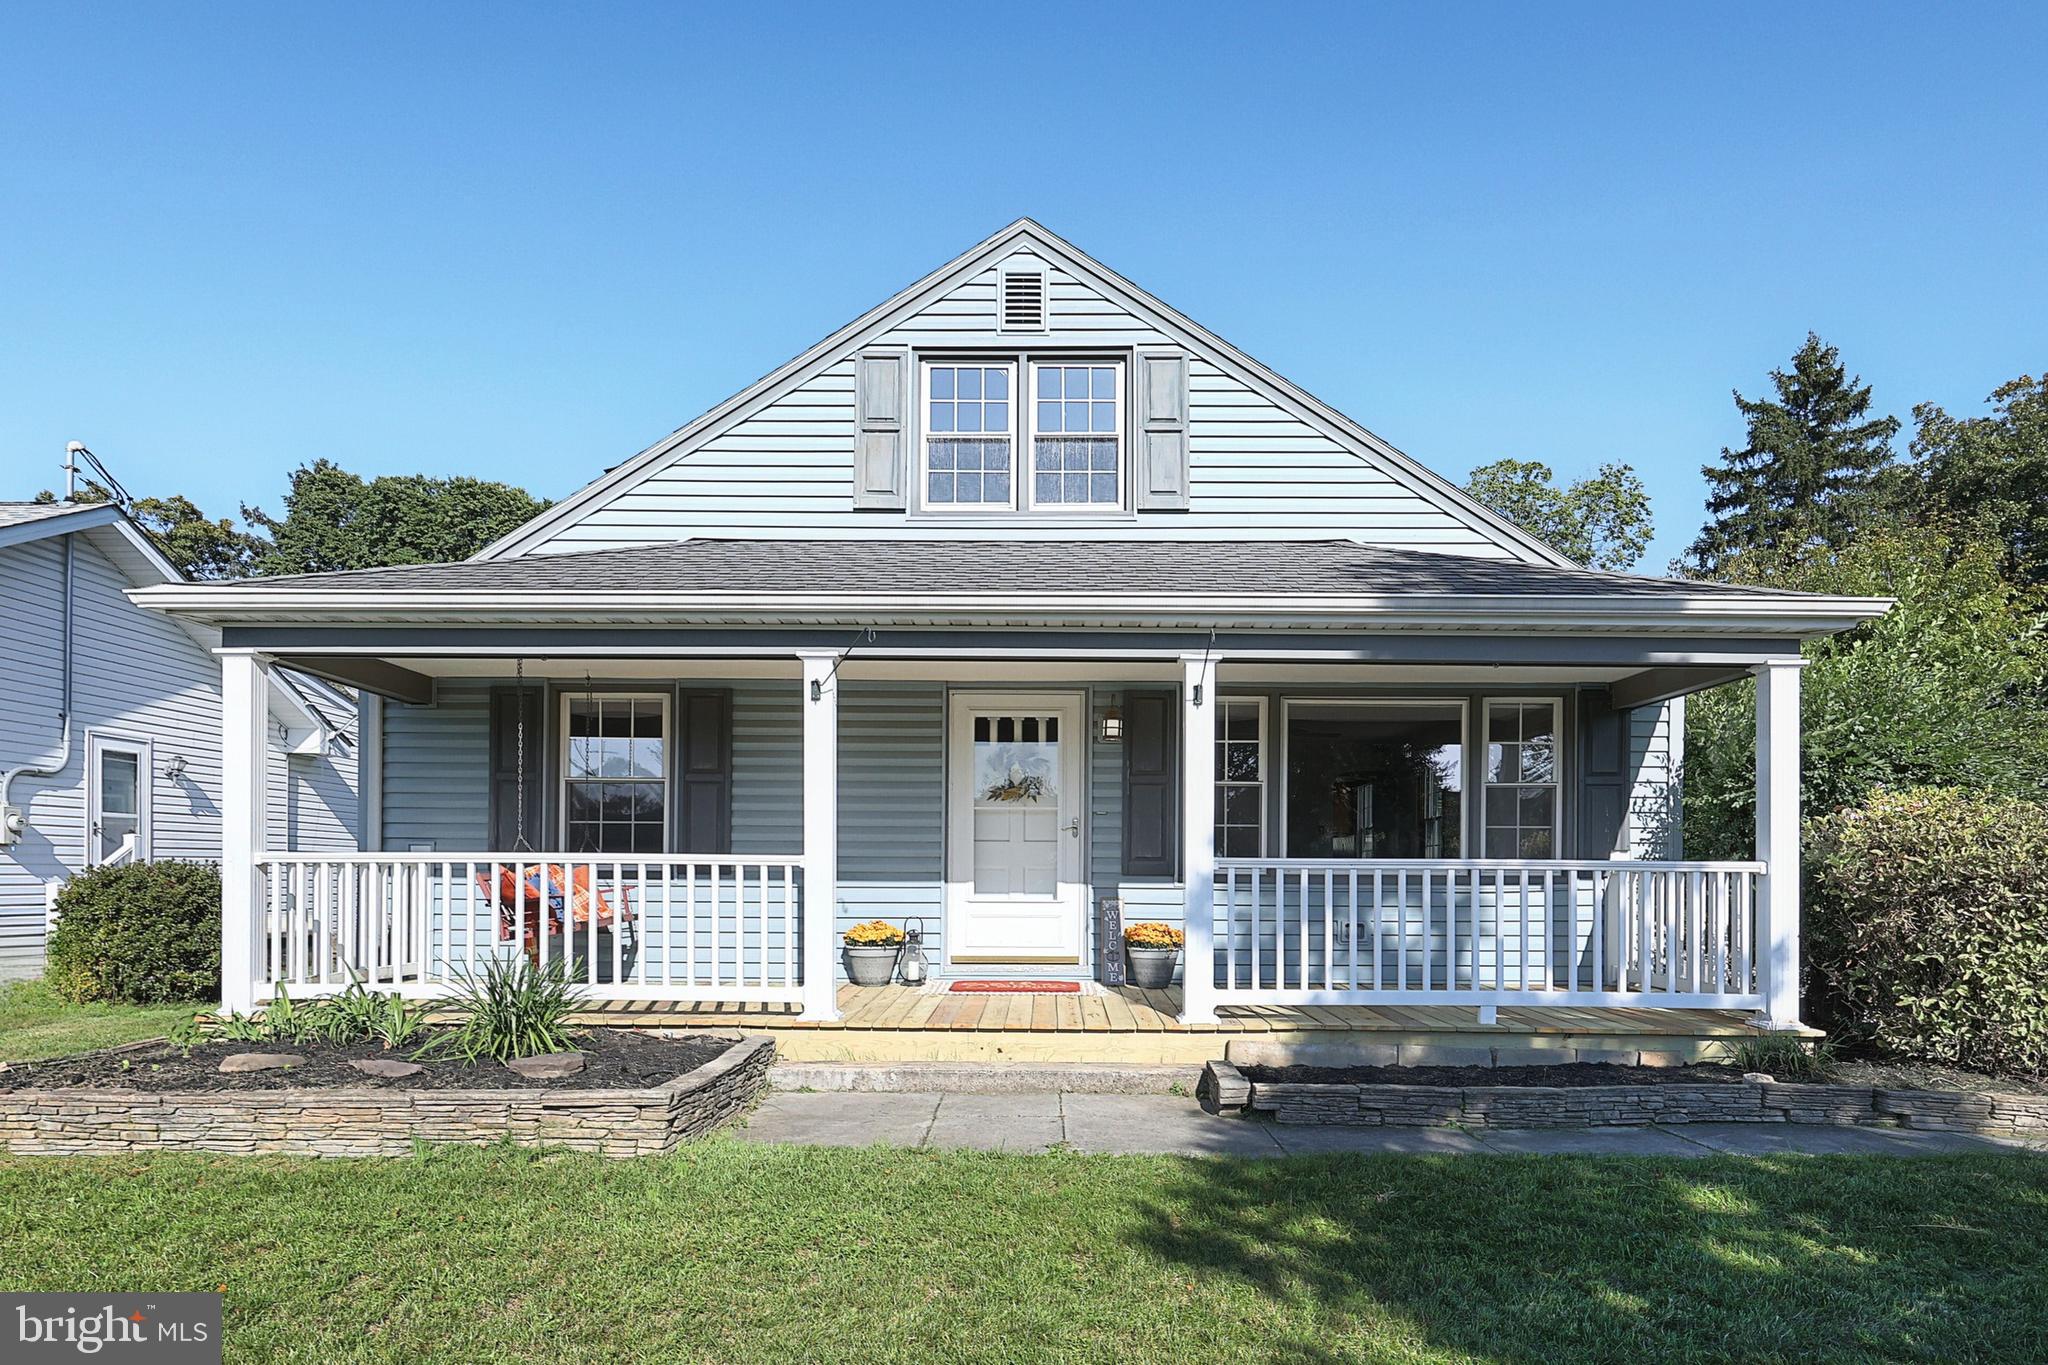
(1125,1024)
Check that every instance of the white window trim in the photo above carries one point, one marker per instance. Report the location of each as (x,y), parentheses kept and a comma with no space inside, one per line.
(1266,739)
(96,743)
(1022,362)
(1556,783)
(1032,365)
(562,778)
(1014,364)
(1464,705)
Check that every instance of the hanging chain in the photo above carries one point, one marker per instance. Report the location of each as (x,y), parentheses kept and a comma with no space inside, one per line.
(519,843)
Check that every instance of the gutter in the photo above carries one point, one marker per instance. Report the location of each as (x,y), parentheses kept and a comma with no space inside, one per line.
(1788,615)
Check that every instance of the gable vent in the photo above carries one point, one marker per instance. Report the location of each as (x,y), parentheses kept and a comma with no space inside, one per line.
(1022,301)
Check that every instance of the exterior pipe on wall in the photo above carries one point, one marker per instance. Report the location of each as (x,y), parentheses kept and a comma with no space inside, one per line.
(11,821)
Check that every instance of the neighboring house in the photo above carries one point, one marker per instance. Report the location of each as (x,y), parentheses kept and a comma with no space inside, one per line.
(110,721)
(1018,601)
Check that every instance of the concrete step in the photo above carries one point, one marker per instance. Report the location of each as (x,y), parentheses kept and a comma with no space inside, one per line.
(987,1078)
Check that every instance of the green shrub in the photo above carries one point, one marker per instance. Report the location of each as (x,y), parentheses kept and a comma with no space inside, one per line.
(1927,926)
(512,1009)
(140,934)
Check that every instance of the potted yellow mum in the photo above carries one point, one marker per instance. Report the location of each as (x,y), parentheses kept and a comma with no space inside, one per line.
(1150,949)
(871,950)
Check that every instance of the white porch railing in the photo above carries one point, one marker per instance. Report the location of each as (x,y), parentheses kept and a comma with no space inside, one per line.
(669,928)
(1487,933)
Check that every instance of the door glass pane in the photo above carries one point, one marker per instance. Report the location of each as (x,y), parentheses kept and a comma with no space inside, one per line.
(1016,806)
(1383,780)
(119,816)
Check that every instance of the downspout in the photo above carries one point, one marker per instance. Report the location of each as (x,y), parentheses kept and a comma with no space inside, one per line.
(63,758)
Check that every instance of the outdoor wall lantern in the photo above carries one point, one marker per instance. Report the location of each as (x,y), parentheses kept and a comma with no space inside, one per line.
(1112,726)
(174,768)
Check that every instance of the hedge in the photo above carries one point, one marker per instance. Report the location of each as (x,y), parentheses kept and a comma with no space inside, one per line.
(140,933)
(1927,926)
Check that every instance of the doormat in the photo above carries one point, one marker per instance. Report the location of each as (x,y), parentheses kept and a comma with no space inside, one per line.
(1016,987)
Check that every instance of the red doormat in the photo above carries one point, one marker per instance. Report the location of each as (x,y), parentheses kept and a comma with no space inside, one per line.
(1015,987)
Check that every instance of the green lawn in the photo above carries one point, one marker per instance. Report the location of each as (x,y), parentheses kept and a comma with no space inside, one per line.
(729,1252)
(34,1023)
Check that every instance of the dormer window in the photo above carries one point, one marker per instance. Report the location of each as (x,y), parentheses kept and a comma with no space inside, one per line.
(1069,428)
(969,426)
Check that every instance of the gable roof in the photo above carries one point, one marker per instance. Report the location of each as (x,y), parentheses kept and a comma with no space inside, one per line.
(110,529)
(1027,234)
(713,581)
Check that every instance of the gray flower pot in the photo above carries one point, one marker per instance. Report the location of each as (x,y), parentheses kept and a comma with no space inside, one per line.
(870,966)
(1151,968)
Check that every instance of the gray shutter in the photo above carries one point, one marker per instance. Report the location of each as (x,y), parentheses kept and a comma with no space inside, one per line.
(1603,774)
(1162,462)
(881,445)
(703,771)
(507,705)
(1151,784)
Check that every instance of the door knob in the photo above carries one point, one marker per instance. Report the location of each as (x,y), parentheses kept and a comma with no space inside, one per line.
(1074,827)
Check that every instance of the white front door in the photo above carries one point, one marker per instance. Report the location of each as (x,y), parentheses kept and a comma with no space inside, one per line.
(1015,800)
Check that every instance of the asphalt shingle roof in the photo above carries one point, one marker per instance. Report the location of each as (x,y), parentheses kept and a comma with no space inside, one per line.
(779,567)
(19,513)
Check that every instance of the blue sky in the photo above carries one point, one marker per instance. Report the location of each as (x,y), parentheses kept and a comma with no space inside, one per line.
(521,242)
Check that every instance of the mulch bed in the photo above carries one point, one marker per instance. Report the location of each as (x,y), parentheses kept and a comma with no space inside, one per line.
(614,1060)
(1563,1074)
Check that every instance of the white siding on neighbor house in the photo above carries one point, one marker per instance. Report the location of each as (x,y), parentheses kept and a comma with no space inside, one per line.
(310,803)
(1656,752)
(135,674)
(1257,471)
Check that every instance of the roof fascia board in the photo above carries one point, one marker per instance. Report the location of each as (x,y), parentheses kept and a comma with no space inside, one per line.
(1247,369)
(1366,446)
(335,649)
(82,517)
(766,389)
(1797,615)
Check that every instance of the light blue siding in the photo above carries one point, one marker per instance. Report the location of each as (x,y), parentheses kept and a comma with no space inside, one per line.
(767,769)
(784,469)
(437,771)
(892,812)
(1656,749)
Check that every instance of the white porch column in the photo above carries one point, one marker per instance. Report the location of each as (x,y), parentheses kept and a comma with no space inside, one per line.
(1198,837)
(244,745)
(1777,840)
(821,832)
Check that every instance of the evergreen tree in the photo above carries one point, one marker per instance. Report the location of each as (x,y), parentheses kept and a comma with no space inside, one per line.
(1815,463)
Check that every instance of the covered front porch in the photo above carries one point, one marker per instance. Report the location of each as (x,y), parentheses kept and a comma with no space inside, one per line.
(847,783)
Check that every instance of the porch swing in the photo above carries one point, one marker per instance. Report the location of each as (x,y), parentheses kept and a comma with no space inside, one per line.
(566,893)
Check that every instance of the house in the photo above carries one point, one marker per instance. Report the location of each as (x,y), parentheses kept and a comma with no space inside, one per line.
(110,722)
(1023,606)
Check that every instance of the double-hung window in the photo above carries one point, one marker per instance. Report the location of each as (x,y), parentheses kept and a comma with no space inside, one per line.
(1077,435)
(970,436)
(1059,444)
(615,773)
(1521,796)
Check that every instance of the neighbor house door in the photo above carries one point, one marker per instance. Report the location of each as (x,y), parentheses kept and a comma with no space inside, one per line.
(1016,797)
(117,780)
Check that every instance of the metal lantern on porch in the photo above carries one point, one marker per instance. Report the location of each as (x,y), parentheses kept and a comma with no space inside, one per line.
(911,966)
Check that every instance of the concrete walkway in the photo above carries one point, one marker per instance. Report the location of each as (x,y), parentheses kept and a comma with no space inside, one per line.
(1169,1124)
